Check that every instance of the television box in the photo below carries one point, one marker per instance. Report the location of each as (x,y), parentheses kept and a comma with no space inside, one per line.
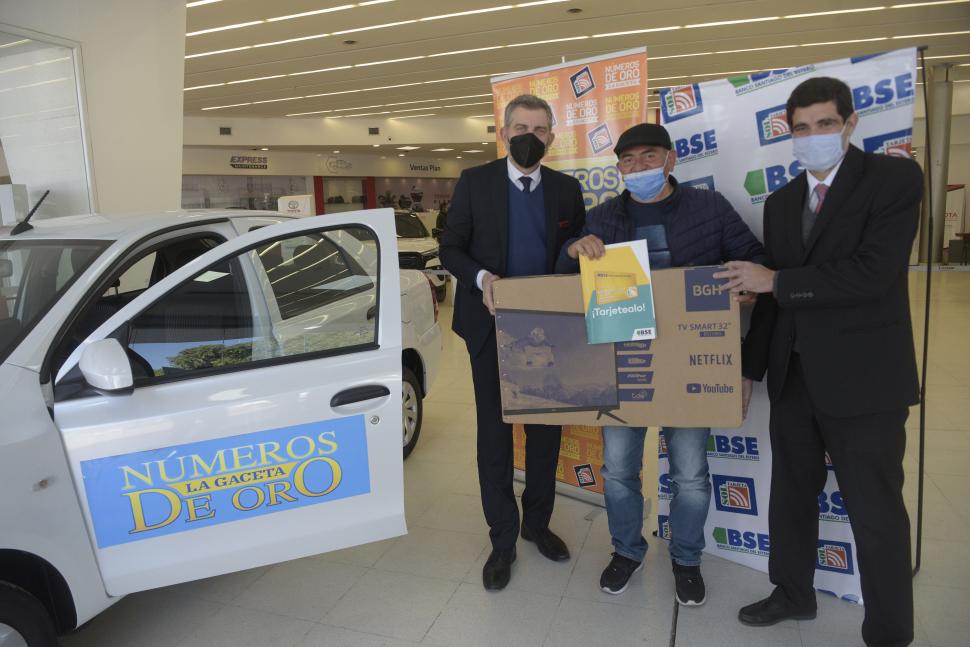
(689,376)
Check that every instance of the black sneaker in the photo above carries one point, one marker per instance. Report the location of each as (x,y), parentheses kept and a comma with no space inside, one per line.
(616,577)
(690,585)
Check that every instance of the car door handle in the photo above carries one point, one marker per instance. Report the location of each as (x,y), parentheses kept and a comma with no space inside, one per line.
(371,312)
(359,394)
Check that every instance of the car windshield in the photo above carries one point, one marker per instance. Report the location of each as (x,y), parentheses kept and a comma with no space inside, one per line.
(33,276)
(410,226)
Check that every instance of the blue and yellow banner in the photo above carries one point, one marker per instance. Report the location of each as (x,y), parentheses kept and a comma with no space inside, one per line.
(174,489)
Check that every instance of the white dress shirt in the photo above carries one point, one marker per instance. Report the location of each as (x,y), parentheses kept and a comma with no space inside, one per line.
(814,181)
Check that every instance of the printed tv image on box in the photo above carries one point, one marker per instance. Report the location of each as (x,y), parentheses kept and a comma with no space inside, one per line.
(546,366)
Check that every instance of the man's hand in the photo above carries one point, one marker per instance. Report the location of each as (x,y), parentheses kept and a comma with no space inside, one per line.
(589,246)
(487,280)
(746,386)
(745,297)
(744,276)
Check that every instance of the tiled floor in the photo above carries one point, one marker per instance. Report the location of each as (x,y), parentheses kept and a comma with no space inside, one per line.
(425,588)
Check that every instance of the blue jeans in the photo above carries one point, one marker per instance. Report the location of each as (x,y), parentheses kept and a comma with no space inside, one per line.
(690,485)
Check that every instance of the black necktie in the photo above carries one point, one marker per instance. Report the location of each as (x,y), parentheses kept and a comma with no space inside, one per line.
(526,183)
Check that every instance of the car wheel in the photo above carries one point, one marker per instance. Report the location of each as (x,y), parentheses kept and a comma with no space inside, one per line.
(412,409)
(24,622)
(441,292)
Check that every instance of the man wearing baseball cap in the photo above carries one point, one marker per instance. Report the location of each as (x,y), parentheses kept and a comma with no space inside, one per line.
(683,226)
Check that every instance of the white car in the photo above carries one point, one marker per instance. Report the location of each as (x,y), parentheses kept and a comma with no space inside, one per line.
(192,394)
(418,250)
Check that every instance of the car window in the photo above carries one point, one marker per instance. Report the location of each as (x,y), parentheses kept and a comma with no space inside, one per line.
(324,287)
(409,225)
(136,278)
(33,275)
(315,296)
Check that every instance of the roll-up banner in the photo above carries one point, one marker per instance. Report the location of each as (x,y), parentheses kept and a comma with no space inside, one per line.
(732,136)
(593,100)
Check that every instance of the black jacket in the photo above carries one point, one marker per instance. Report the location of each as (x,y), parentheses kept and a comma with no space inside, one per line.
(477,236)
(705,229)
(844,295)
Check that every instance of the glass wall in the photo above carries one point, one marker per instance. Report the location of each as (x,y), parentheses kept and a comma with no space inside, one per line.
(240,191)
(343,194)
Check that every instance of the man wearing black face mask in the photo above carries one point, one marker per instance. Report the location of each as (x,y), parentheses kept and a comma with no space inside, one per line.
(509,218)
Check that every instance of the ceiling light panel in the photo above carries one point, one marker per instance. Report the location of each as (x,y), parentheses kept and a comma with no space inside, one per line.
(430,114)
(344,7)
(316,12)
(504,7)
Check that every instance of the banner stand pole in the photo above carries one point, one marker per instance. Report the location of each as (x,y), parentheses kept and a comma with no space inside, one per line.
(944,104)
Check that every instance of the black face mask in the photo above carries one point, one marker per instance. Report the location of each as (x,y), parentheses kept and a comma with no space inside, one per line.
(526,150)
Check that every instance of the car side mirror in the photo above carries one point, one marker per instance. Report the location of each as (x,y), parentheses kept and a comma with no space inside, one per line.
(6,268)
(436,233)
(106,369)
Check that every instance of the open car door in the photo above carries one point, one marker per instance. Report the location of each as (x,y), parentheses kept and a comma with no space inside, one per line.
(244,410)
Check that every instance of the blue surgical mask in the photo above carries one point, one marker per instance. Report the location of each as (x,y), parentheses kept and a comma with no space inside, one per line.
(646,185)
(818,152)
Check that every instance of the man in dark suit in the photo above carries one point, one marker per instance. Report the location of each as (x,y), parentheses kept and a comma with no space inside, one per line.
(509,218)
(832,328)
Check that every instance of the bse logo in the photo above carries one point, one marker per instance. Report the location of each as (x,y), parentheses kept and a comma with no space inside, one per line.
(734,494)
(743,448)
(663,526)
(762,182)
(883,95)
(600,138)
(664,493)
(706,183)
(582,82)
(835,556)
(697,146)
(895,144)
(742,541)
(680,102)
(831,507)
(772,125)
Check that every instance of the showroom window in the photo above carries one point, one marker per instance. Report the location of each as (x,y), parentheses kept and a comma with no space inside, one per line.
(42,144)
(240,191)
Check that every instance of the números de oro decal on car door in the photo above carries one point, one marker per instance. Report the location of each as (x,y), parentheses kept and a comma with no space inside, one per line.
(175,489)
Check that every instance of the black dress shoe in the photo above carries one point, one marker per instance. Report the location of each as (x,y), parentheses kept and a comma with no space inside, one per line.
(770,611)
(550,545)
(498,569)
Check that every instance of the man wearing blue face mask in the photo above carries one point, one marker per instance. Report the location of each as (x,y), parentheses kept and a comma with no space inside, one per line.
(682,226)
(832,329)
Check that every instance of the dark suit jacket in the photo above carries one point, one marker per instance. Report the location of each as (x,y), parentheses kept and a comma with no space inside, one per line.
(477,236)
(844,295)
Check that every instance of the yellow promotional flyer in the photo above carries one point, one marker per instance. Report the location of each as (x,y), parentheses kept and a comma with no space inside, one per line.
(618,295)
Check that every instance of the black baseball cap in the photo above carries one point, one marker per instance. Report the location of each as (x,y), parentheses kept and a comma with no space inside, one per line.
(643,135)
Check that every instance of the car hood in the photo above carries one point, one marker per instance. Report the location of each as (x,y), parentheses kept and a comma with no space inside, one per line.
(420,245)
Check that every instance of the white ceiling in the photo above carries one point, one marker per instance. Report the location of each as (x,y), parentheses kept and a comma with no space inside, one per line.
(680,46)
